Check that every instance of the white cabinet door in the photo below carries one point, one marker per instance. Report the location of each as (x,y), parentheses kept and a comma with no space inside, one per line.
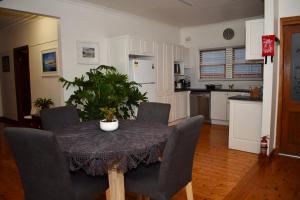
(254,32)
(219,106)
(245,125)
(135,46)
(160,75)
(168,69)
(148,47)
(178,53)
(170,99)
(230,94)
(181,105)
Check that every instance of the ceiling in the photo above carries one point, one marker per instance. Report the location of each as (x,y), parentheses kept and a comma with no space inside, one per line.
(9,17)
(183,13)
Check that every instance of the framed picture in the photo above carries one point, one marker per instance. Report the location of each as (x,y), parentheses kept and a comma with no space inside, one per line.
(5,64)
(49,62)
(87,52)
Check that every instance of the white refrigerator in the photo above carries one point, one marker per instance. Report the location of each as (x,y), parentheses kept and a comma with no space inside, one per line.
(144,73)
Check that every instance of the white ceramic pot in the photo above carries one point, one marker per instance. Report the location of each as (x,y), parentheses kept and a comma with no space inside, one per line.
(109,126)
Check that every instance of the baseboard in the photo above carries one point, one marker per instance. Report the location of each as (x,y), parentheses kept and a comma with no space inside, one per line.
(219,122)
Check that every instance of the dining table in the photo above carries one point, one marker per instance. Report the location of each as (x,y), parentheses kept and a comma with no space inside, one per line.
(134,143)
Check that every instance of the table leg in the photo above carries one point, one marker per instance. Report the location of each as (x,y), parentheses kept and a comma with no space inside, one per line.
(116,184)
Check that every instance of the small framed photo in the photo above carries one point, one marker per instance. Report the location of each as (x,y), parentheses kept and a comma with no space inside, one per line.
(49,62)
(5,64)
(87,52)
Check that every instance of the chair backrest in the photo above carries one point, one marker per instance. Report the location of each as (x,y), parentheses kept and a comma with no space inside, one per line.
(54,118)
(42,167)
(176,167)
(154,112)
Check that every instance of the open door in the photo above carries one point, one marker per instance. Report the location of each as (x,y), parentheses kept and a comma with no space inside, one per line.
(290,116)
(22,80)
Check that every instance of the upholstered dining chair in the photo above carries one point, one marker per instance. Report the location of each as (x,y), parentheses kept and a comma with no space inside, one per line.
(160,181)
(154,112)
(43,168)
(54,118)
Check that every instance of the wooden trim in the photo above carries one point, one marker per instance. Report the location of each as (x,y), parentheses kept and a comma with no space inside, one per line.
(283,22)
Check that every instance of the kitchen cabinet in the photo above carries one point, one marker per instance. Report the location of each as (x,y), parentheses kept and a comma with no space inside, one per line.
(180,105)
(159,58)
(147,47)
(254,33)
(178,53)
(220,107)
(122,47)
(171,100)
(141,47)
(190,57)
(164,69)
(168,69)
(245,125)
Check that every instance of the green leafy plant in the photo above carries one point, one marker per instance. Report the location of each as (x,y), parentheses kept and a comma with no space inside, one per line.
(104,87)
(109,113)
(43,103)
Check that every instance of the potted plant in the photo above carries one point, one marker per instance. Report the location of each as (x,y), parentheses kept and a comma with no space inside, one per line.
(109,123)
(42,103)
(104,87)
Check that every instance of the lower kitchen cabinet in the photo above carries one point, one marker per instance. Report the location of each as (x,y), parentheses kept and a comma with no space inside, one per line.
(218,106)
(219,112)
(179,105)
(245,125)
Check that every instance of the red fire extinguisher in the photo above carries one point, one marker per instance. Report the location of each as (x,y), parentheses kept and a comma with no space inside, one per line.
(264,146)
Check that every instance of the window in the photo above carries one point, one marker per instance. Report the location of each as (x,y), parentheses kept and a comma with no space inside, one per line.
(229,63)
(212,64)
(243,68)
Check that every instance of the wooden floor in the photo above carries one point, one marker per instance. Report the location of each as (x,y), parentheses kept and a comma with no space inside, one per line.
(218,173)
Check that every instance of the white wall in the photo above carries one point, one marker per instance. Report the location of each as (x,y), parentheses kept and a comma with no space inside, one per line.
(39,34)
(91,23)
(211,36)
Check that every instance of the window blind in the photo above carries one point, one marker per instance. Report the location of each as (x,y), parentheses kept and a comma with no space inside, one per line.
(229,63)
(243,68)
(212,64)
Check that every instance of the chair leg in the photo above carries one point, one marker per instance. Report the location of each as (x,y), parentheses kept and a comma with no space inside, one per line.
(189,191)
(107,194)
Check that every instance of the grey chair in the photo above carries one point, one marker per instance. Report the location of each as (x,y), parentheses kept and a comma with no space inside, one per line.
(43,168)
(54,118)
(154,112)
(160,181)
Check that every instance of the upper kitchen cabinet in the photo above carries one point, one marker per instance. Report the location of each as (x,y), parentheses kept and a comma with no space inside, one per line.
(140,47)
(190,57)
(178,53)
(123,46)
(254,33)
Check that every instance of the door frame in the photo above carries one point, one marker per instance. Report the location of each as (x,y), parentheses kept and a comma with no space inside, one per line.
(286,21)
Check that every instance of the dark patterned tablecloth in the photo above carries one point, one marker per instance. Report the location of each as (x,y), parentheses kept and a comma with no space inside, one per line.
(87,147)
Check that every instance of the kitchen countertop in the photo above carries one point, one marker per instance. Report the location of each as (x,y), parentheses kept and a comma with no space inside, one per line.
(206,90)
(245,98)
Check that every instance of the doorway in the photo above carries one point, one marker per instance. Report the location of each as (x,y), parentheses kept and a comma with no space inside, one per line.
(22,81)
(290,87)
